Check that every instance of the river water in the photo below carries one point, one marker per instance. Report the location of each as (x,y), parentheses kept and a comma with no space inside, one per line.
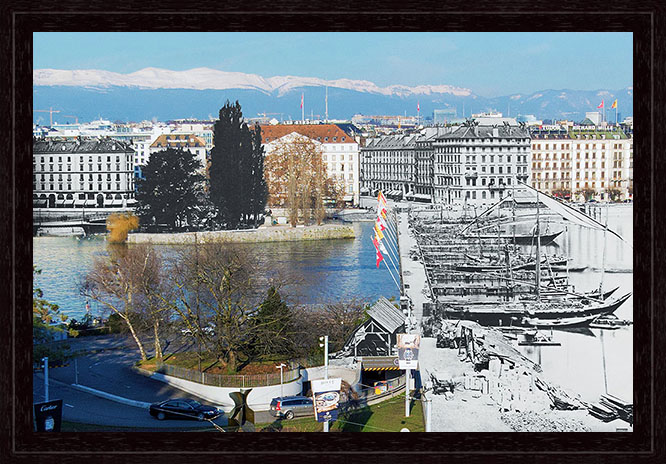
(331,270)
(326,270)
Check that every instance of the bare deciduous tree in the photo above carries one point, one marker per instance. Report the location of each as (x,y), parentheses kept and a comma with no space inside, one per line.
(297,179)
(119,282)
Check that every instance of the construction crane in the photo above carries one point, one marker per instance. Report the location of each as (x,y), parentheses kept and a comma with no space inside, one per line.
(50,111)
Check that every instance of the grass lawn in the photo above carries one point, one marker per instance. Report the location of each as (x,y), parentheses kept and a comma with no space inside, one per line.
(388,416)
(210,364)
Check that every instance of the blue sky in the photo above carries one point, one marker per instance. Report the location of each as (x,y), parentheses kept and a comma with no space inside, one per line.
(490,64)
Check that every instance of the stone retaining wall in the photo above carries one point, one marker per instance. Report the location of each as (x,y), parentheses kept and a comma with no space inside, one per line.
(264,234)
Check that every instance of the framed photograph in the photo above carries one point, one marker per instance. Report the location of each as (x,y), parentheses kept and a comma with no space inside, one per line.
(215,204)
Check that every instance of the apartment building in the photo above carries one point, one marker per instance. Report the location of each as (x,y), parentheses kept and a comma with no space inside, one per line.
(340,152)
(82,173)
(186,142)
(583,163)
(388,164)
(477,163)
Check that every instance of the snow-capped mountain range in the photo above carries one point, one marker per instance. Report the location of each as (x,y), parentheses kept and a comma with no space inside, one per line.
(213,79)
(162,94)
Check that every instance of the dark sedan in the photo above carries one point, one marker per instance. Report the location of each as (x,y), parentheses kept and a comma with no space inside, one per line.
(183,408)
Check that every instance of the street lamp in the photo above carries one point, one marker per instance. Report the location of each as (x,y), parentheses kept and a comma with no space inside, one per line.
(281,378)
(324,339)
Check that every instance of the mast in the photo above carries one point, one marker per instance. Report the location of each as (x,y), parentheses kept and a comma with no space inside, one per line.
(603,258)
(538,252)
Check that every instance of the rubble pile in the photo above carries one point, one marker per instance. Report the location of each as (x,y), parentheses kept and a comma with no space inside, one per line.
(532,421)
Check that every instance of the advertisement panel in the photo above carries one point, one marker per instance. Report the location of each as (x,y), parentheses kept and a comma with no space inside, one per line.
(326,395)
(408,351)
(48,416)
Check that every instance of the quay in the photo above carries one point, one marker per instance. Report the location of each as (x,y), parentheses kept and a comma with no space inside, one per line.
(492,386)
(263,234)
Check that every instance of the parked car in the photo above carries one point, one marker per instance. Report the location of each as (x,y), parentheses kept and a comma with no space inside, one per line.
(292,406)
(183,408)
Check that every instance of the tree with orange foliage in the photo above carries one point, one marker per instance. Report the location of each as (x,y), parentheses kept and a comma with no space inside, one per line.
(297,179)
(119,225)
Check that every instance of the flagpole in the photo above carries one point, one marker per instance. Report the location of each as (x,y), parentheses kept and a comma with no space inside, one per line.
(394,281)
(388,268)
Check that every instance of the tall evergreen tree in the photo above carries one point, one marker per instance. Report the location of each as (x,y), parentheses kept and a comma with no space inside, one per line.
(171,189)
(228,163)
(237,185)
(259,188)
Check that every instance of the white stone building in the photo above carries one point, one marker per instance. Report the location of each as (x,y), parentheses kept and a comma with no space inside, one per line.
(340,152)
(569,162)
(82,173)
(388,164)
(478,164)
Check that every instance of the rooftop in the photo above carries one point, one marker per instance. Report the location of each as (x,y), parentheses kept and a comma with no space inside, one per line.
(324,133)
(81,145)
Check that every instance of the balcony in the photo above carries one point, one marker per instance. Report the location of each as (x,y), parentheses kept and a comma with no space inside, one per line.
(471,174)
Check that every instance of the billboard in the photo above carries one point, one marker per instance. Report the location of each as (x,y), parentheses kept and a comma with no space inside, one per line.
(326,395)
(408,351)
(48,416)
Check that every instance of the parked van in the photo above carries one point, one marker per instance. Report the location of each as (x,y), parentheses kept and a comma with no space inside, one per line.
(292,406)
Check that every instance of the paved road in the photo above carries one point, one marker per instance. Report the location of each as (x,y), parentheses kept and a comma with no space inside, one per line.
(107,366)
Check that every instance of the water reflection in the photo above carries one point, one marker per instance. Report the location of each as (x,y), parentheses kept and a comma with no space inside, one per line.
(320,271)
(578,362)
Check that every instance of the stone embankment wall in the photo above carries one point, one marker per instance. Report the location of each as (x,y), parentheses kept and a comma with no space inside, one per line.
(263,234)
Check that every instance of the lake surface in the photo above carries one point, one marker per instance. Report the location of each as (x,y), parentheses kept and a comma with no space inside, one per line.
(330,270)
(579,362)
(326,270)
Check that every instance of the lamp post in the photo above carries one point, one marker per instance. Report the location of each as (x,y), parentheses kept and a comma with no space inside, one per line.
(45,360)
(324,339)
(281,378)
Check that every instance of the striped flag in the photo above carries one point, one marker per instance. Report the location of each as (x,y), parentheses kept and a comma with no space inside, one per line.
(601,105)
(614,105)
(380,258)
(378,232)
(301,101)
(380,223)
(382,248)
(377,245)
(382,199)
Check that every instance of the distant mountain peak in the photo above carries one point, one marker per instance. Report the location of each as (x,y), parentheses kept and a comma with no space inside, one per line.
(214,79)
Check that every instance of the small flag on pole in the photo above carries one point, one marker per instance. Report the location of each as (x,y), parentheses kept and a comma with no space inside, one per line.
(418,107)
(377,245)
(614,105)
(601,105)
(380,258)
(379,234)
(301,101)
(381,199)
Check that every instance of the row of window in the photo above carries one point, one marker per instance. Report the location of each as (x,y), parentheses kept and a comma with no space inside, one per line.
(42,158)
(81,167)
(333,157)
(81,186)
(42,177)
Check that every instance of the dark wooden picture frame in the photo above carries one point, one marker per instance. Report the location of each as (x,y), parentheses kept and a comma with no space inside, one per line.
(645,20)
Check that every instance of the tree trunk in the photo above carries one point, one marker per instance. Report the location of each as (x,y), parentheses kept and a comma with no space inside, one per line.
(136,338)
(158,345)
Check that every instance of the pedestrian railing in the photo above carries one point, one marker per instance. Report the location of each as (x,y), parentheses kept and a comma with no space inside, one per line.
(232,381)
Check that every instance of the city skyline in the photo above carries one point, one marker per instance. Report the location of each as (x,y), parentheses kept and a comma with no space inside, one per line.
(517,62)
